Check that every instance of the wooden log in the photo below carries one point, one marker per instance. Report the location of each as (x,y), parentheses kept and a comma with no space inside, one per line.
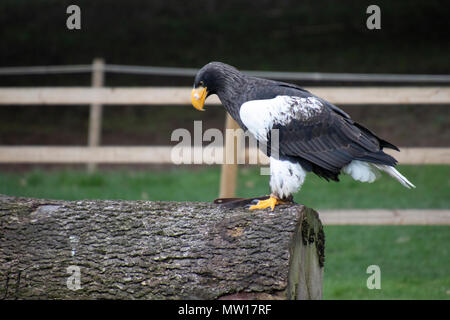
(157,250)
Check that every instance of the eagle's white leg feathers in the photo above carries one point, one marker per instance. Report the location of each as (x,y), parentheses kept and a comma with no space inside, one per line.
(367,172)
(286,177)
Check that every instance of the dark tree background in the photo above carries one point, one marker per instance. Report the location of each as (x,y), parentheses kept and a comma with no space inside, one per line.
(327,36)
(278,35)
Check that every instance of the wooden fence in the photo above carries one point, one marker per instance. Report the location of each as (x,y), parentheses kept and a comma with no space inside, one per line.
(96,96)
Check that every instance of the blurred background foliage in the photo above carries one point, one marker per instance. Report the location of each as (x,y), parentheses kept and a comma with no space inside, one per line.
(290,35)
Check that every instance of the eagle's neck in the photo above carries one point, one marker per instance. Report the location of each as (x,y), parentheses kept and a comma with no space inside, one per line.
(231,92)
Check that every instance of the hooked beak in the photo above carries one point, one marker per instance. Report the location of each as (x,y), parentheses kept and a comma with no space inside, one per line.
(198,97)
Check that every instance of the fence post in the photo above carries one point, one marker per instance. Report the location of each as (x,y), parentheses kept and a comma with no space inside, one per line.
(229,172)
(95,113)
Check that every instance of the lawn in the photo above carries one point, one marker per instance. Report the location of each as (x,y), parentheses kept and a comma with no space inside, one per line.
(202,184)
(414,260)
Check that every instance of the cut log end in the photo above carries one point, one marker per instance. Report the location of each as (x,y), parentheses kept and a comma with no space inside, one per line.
(104,249)
(307,257)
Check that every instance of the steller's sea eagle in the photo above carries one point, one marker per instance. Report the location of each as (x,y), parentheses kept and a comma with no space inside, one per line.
(313,134)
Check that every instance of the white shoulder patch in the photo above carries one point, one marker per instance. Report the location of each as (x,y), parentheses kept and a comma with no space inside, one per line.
(259,116)
(299,108)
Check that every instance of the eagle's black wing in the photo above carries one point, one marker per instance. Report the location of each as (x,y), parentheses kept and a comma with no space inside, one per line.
(322,141)
(329,141)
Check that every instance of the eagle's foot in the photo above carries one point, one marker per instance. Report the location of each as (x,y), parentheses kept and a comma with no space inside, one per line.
(271,202)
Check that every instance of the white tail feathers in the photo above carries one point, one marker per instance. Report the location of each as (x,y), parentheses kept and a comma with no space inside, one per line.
(361,171)
(367,172)
(395,174)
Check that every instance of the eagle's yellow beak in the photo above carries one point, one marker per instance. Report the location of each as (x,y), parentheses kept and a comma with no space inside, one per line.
(198,97)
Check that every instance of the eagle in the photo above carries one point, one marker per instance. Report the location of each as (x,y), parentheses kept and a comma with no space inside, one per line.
(313,134)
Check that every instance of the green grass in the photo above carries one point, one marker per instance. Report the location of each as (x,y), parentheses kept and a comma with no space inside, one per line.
(202,184)
(414,260)
(175,185)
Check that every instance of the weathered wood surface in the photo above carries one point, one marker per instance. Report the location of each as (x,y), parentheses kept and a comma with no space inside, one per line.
(158,250)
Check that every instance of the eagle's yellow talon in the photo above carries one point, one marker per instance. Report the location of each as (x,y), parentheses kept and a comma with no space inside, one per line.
(263,204)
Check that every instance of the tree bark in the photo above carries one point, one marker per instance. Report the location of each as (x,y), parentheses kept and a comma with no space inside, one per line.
(157,250)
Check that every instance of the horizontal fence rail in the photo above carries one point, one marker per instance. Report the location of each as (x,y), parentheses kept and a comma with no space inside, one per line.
(80,68)
(81,154)
(385,217)
(181,96)
(163,155)
(191,72)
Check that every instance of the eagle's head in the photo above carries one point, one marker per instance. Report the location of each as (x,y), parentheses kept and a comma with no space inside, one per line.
(213,78)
